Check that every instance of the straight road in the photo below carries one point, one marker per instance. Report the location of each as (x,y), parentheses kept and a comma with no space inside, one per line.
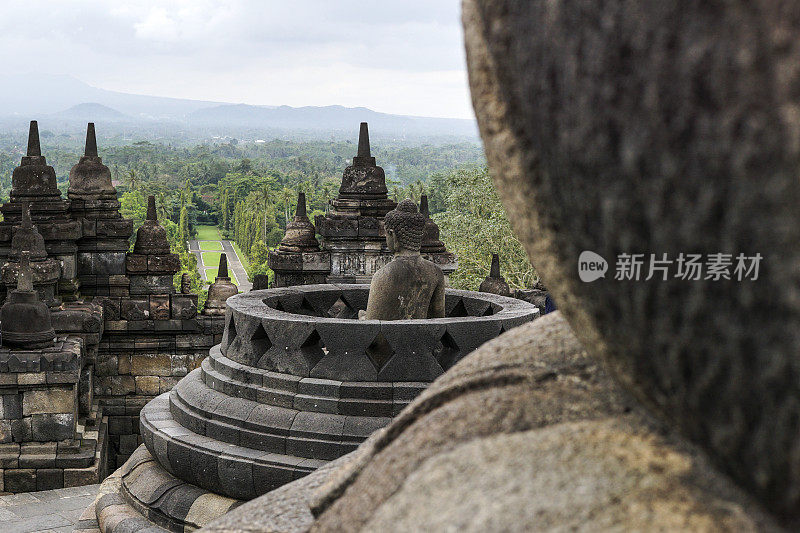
(234,264)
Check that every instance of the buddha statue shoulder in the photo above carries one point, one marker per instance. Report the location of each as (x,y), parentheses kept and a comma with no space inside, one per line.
(409,286)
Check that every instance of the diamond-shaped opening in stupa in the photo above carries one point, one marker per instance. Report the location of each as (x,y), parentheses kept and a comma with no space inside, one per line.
(231,331)
(260,341)
(341,309)
(313,349)
(379,352)
(447,352)
(459,310)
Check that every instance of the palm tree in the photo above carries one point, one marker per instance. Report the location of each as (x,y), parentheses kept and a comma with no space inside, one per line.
(263,195)
(326,194)
(286,196)
(133,180)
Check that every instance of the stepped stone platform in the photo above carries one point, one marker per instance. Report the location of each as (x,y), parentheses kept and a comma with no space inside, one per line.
(296,382)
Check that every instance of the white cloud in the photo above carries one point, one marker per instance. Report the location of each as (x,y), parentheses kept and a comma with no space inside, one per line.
(401,56)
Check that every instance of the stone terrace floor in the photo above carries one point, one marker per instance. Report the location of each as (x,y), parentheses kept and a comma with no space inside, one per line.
(48,510)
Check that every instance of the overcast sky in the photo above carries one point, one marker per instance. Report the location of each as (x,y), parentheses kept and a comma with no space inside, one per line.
(395,56)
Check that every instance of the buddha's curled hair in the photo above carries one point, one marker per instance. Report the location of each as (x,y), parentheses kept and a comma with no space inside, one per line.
(407,223)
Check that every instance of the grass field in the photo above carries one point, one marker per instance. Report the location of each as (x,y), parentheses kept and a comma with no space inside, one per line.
(208,233)
(211,245)
(211,275)
(211,259)
(242,259)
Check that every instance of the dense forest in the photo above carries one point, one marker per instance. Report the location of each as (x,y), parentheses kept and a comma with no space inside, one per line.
(249,190)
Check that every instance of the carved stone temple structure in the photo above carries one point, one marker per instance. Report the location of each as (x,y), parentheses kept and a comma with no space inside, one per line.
(34,183)
(297,382)
(104,240)
(219,291)
(90,332)
(303,375)
(494,282)
(299,260)
(352,246)
(641,405)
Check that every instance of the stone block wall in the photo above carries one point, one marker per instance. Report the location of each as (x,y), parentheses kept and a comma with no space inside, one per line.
(149,343)
(45,441)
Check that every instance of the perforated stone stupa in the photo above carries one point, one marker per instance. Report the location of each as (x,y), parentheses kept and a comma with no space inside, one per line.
(299,260)
(289,388)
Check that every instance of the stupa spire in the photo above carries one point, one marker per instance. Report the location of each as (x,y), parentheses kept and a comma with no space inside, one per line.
(25,276)
(300,212)
(423,205)
(223,266)
(151,208)
(91,141)
(363,141)
(494,282)
(34,147)
(494,272)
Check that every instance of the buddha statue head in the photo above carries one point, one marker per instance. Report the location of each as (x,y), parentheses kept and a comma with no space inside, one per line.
(405,226)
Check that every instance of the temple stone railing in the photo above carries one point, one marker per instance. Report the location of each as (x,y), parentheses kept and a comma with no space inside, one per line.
(312,331)
(296,381)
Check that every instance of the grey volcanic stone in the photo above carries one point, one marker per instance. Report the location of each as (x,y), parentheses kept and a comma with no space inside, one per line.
(503,440)
(657,127)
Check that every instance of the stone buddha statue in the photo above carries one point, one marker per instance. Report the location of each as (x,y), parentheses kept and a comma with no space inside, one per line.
(409,286)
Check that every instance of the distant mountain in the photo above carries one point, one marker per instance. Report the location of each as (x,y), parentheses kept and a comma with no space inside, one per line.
(327,118)
(93,112)
(35,94)
(67,101)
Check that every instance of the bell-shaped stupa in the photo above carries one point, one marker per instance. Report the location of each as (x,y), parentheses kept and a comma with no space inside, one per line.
(90,179)
(433,249)
(298,260)
(219,291)
(44,270)
(24,319)
(353,229)
(494,282)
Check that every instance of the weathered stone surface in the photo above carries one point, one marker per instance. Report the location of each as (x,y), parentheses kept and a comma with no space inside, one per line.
(284,509)
(48,401)
(659,128)
(527,414)
(52,427)
(151,364)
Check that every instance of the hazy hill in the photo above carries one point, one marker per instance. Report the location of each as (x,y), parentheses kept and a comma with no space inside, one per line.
(92,112)
(45,94)
(327,118)
(68,102)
